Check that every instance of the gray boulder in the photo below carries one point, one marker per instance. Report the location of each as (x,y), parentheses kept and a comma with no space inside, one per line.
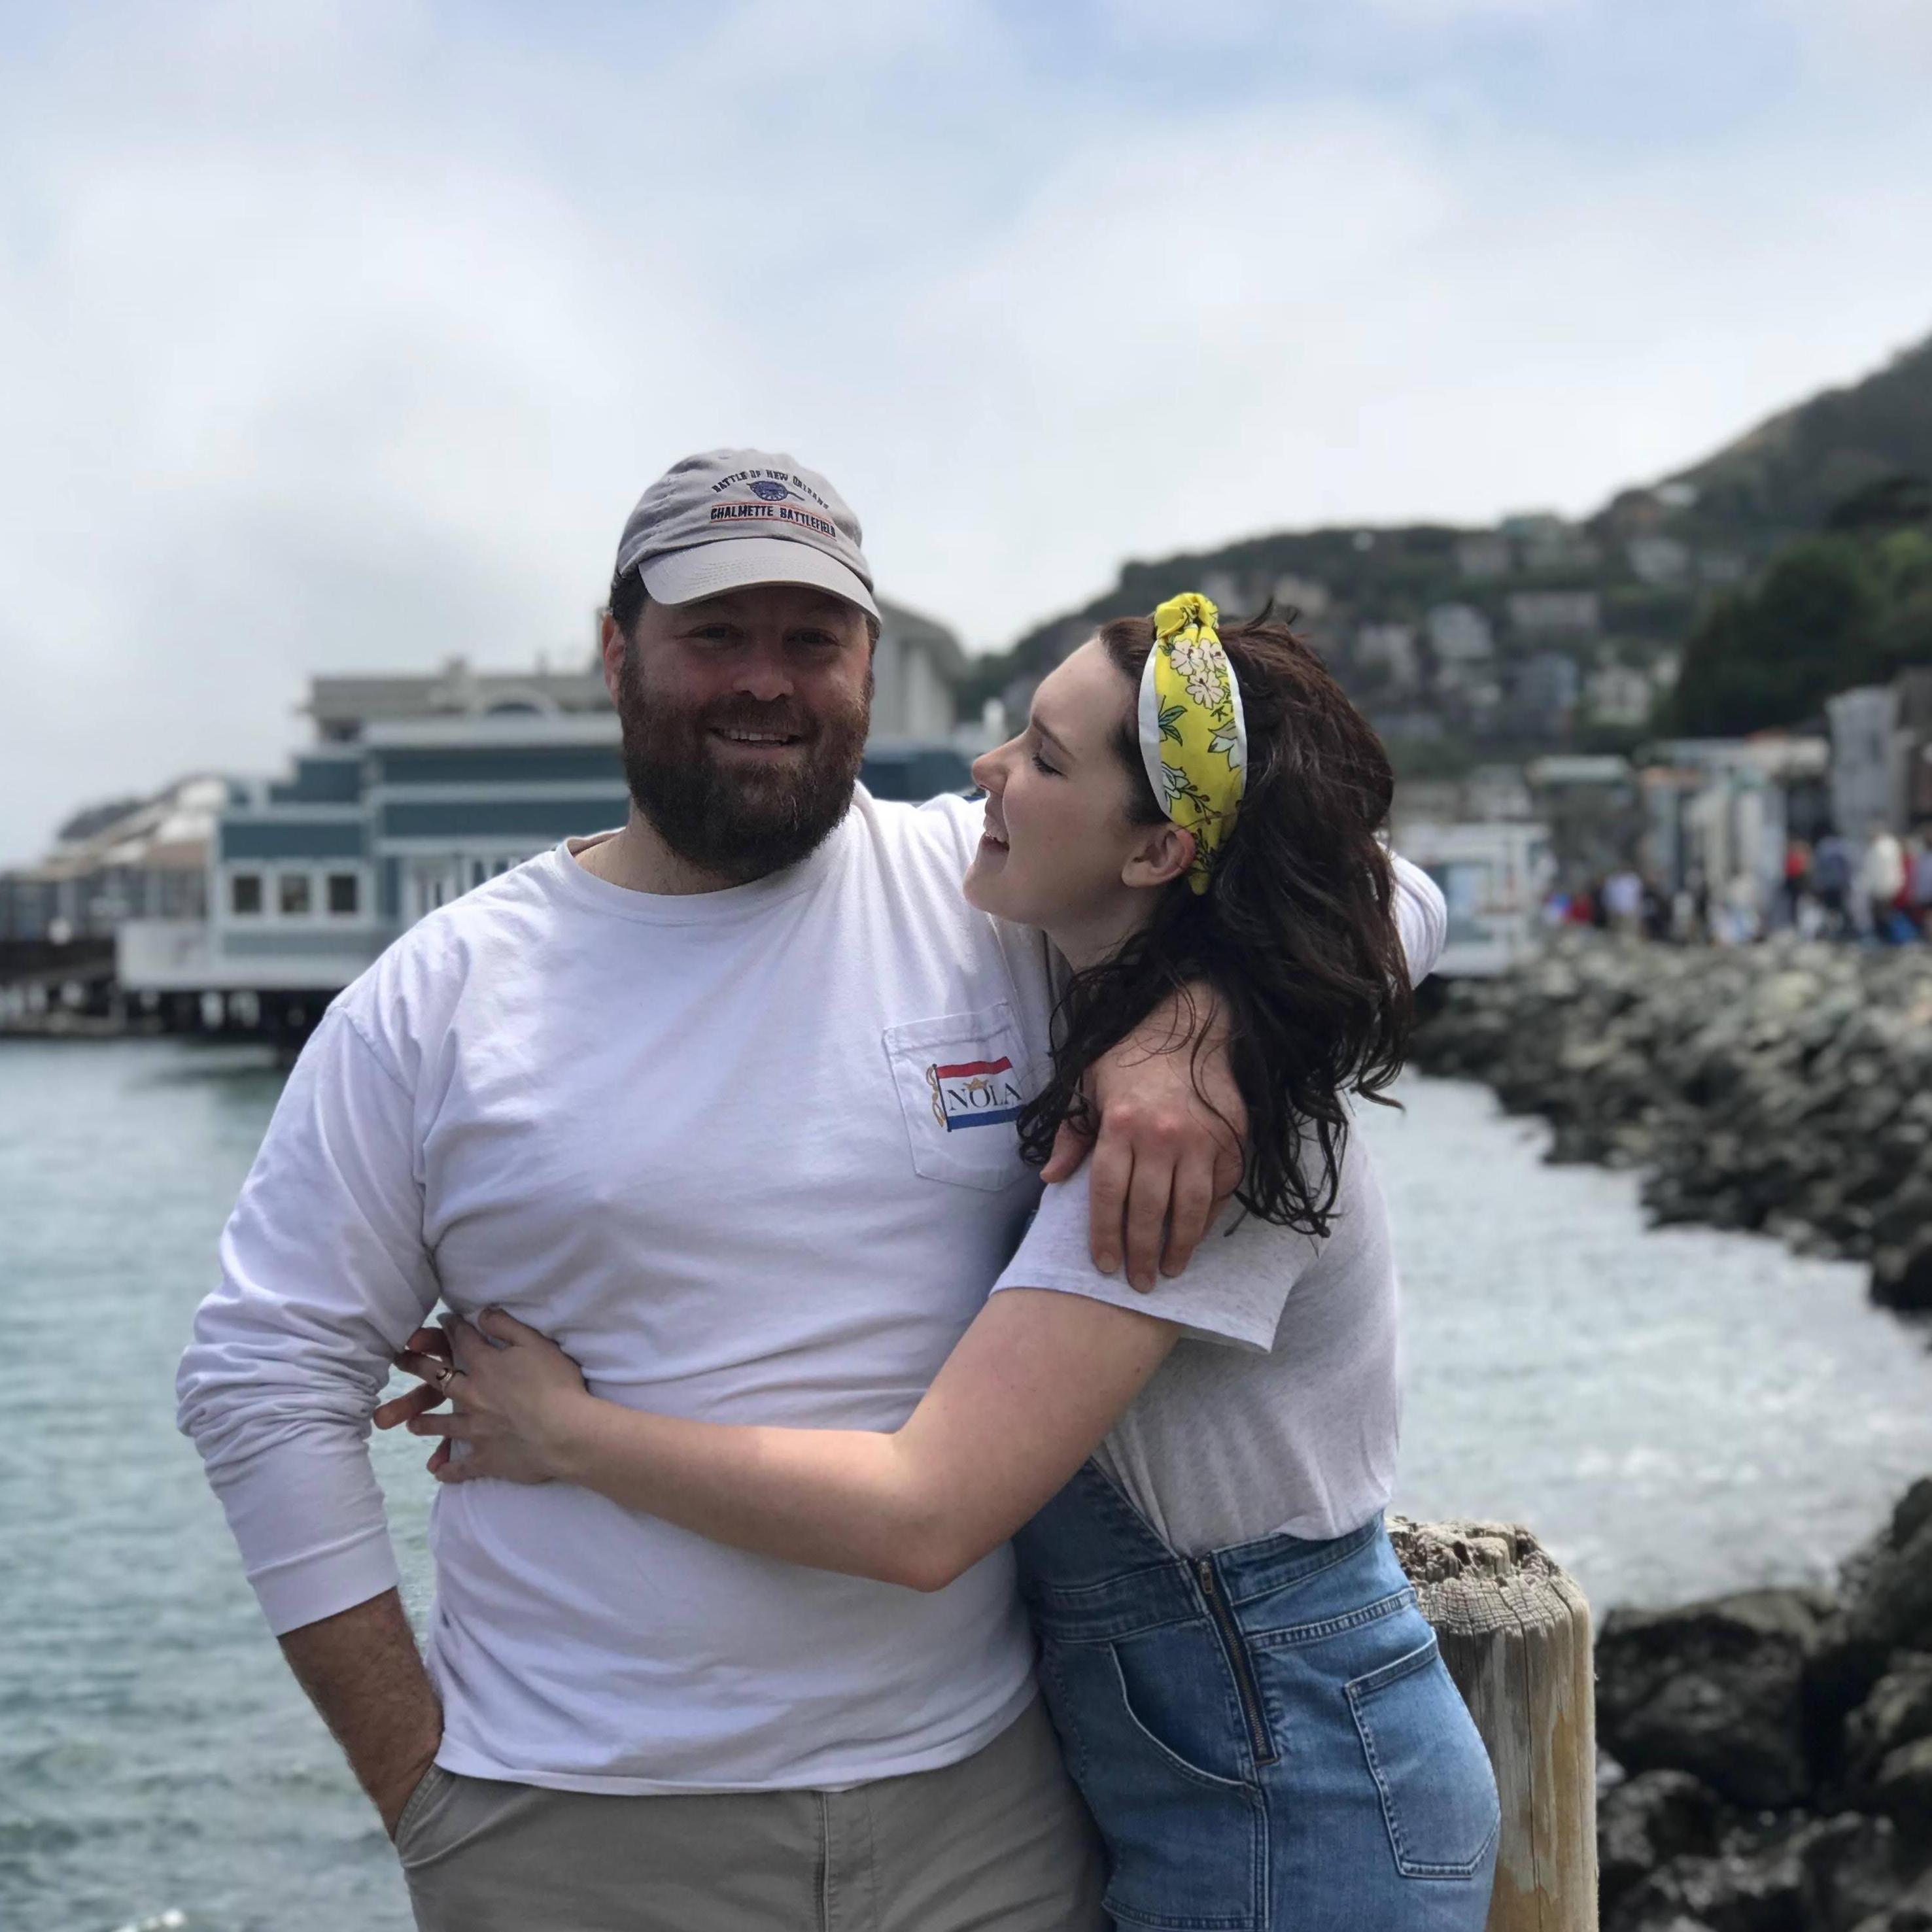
(1911,1912)
(1716,1689)
(1898,1711)
(1744,1890)
(1647,1821)
(1853,1867)
(1887,1608)
(1901,1787)
(1902,1273)
(1825,1875)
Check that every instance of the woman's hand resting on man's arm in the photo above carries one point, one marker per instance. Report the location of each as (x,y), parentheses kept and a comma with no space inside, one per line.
(515,1400)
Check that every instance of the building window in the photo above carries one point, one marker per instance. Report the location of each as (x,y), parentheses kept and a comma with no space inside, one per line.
(245,894)
(292,895)
(345,894)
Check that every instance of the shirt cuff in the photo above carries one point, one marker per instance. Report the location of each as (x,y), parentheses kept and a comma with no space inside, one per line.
(304,1589)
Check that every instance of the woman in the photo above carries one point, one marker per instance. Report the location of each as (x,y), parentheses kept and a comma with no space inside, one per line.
(1247,1696)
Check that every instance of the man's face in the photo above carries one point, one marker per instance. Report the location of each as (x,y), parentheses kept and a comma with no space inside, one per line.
(744,717)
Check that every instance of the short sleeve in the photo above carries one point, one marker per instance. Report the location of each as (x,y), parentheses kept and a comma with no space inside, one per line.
(1422,914)
(1233,1291)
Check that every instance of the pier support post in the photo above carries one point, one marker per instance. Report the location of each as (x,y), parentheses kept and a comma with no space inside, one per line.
(1515,1633)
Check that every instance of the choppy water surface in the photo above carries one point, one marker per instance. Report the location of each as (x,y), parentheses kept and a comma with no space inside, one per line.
(1677,1412)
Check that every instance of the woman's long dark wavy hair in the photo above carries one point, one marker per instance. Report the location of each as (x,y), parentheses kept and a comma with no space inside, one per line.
(1296,935)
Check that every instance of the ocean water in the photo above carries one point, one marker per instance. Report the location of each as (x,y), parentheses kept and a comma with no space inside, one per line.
(1677,1413)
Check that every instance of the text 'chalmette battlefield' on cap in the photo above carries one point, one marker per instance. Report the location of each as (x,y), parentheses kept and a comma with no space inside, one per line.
(730,517)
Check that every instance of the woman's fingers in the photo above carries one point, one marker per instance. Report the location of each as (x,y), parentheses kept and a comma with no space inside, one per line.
(464,1342)
(454,1428)
(502,1327)
(401,1407)
(426,1363)
(424,1342)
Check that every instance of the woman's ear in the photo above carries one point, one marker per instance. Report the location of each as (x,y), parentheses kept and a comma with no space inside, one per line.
(1160,858)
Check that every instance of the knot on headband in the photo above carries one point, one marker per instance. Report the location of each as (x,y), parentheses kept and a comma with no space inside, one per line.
(1194,740)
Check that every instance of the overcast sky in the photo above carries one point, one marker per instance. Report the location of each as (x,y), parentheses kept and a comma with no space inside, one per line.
(339,337)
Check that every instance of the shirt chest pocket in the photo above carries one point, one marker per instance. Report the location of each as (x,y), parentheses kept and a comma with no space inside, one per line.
(961,1080)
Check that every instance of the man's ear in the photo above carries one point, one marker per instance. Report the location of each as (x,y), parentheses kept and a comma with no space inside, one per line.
(1162,857)
(611,645)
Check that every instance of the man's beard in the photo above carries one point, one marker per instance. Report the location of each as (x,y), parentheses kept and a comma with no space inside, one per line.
(741,824)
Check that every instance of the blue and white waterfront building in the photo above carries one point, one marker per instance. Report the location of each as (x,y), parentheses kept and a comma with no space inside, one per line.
(418,789)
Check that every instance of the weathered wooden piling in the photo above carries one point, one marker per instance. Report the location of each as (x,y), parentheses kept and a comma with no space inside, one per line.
(1515,1633)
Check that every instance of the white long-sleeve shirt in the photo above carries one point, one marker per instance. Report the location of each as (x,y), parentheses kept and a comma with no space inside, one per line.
(747,1156)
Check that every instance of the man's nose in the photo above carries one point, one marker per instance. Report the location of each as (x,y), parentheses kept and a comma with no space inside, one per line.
(762,672)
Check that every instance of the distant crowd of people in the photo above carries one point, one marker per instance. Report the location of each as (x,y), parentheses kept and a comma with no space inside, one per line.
(1877,892)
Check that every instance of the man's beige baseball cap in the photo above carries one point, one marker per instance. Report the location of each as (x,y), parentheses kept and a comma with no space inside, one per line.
(727,518)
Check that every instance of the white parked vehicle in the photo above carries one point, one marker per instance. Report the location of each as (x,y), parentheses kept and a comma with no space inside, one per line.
(1494,876)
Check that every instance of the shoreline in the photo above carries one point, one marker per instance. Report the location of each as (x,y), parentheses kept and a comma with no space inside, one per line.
(1783,1089)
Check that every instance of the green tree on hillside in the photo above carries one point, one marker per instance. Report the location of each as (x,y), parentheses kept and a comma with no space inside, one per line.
(1851,605)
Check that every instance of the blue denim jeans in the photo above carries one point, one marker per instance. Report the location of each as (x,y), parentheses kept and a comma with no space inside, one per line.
(1267,1736)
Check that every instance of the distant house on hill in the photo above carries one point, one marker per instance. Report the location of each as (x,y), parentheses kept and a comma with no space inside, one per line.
(1389,648)
(1660,560)
(1482,556)
(1459,637)
(1545,691)
(1572,613)
(1619,695)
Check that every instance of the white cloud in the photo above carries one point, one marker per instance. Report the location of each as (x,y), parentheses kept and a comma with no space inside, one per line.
(336,338)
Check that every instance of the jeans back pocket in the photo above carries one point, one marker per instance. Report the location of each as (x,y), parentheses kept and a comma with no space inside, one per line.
(1438,1793)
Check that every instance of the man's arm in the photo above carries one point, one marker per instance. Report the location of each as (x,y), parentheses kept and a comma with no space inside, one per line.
(1164,1161)
(324,1272)
(363,1672)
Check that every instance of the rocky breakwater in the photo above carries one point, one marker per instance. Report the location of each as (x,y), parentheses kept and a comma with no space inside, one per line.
(1773,1753)
(1783,1088)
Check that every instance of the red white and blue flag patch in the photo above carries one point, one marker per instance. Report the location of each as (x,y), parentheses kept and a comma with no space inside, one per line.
(974,1093)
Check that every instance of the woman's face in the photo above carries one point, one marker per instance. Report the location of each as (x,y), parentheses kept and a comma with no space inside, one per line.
(1060,851)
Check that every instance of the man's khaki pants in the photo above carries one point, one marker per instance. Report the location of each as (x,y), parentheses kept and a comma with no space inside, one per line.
(999,1842)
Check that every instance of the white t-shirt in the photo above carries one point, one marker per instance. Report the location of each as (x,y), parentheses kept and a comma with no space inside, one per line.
(1279,1410)
(746,1155)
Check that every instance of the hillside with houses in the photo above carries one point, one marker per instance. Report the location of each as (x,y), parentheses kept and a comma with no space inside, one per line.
(1540,633)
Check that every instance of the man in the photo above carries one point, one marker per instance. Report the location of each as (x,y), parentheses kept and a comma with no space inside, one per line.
(688,1097)
(1876,887)
(1623,901)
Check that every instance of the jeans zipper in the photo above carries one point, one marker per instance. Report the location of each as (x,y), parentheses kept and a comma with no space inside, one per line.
(1237,1661)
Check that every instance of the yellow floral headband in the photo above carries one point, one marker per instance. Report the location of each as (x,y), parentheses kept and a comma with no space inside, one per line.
(1194,740)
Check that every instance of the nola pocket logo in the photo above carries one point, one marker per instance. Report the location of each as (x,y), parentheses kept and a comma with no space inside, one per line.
(974,1093)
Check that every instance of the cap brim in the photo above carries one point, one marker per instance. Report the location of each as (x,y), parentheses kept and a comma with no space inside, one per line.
(735,563)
